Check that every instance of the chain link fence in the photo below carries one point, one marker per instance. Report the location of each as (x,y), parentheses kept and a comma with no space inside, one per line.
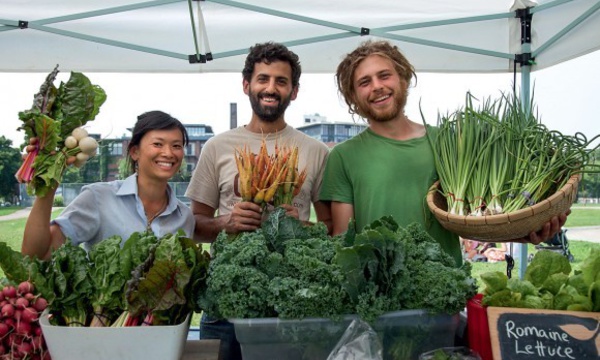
(68,192)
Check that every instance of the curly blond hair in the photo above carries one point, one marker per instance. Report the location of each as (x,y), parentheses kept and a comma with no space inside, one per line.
(345,70)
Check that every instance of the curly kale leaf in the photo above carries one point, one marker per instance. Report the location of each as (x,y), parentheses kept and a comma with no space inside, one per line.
(238,292)
(440,289)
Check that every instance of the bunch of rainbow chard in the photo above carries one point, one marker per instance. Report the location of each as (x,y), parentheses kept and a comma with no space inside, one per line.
(53,130)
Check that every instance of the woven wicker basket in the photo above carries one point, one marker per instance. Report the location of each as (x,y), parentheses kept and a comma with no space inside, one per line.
(503,227)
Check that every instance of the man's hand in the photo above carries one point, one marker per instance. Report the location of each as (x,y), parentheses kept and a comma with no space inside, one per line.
(290,210)
(547,231)
(246,216)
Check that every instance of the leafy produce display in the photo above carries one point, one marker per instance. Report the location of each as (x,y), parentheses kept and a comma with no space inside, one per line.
(548,284)
(293,271)
(265,178)
(54,133)
(149,281)
(289,270)
(498,157)
(20,332)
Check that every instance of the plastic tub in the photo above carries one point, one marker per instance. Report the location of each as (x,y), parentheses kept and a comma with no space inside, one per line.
(110,343)
(404,335)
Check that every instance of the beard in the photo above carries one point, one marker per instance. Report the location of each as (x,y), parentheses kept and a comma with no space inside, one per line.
(377,115)
(269,113)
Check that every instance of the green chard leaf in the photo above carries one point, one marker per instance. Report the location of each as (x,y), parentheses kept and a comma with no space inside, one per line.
(18,268)
(106,274)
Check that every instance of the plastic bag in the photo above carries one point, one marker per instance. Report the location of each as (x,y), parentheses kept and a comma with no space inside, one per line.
(359,341)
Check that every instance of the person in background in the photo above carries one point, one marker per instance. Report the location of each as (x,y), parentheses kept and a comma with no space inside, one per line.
(388,168)
(270,78)
(474,250)
(143,201)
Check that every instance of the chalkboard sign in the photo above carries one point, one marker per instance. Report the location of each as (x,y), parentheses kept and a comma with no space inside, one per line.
(543,334)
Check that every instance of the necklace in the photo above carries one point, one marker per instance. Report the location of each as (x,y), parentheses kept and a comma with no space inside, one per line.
(151,219)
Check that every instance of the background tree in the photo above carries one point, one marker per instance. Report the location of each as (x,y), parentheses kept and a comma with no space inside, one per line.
(10,161)
(590,183)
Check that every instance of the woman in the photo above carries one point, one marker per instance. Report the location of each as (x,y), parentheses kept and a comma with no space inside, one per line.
(143,201)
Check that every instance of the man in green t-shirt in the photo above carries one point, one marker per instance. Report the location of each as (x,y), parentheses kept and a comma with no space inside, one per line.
(388,168)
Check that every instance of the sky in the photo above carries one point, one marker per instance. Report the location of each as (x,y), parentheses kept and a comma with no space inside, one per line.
(567,97)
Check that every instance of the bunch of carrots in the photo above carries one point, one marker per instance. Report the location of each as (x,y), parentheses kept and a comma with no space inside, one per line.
(269,179)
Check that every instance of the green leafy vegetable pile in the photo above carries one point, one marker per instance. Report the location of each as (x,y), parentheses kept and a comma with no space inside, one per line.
(55,113)
(289,270)
(149,280)
(548,284)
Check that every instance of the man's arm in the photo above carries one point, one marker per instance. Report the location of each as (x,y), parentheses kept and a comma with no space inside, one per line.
(323,212)
(341,213)
(245,216)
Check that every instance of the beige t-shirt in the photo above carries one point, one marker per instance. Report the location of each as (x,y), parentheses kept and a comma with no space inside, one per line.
(213,180)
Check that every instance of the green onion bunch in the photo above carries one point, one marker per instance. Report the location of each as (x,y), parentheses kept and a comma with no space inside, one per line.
(496,157)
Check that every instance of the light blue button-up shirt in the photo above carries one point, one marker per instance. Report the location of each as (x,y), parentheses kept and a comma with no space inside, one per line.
(106,209)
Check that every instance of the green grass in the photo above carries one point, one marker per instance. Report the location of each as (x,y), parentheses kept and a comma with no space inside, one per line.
(9,210)
(584,216)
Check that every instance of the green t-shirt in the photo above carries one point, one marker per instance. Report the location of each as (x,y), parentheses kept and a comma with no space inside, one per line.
(381,177)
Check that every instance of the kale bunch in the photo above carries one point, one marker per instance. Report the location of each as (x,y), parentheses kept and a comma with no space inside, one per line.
(289,270)
(284,269)
(389,268)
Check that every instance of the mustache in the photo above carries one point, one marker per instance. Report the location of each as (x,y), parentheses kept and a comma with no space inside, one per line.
(271,95)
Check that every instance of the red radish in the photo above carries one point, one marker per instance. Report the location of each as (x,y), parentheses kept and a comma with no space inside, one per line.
(37,343)
(23,328)
(21,303)
(2,349)
(25,348)
(40,304)
(25,287)
(14,339)
(4,329)
(29,315)
(8,310)
(1,296)
(17,314)
(29,296)
(9,291)
(2,303)
(10,322)
(37,331)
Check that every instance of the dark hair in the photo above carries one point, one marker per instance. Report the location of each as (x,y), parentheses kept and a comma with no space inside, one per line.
(345,70)
(269,52)
(153,120)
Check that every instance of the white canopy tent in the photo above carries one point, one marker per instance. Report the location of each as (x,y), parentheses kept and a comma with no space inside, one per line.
(159,36)
(191,36)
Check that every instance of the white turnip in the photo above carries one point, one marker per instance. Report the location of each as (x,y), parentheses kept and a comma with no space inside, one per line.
(88,145)
(70,142)
(79,133)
